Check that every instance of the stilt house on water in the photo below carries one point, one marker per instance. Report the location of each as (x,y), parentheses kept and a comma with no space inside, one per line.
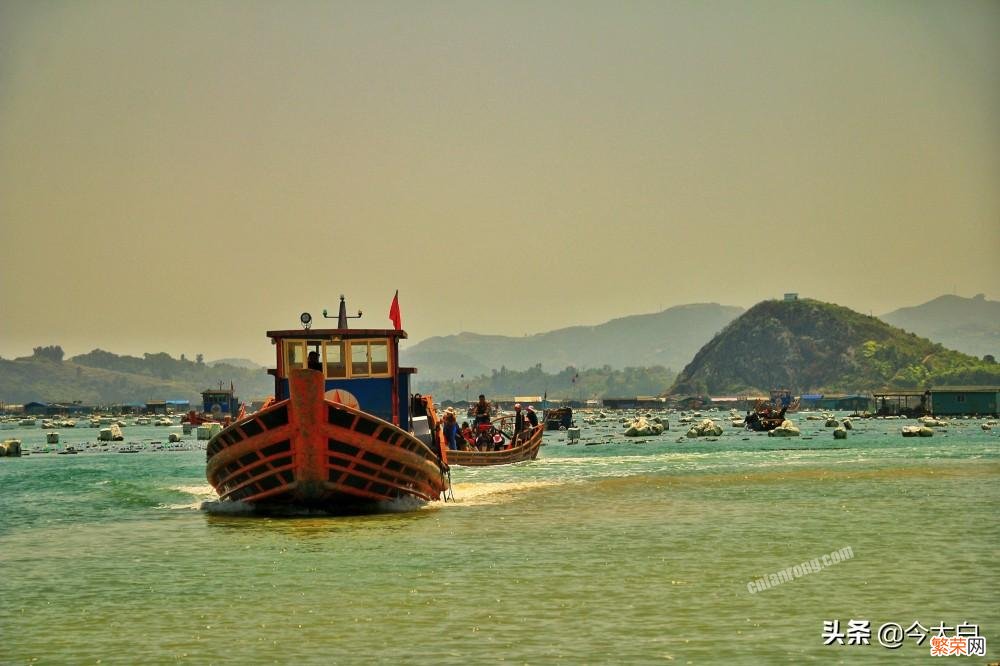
(965,401)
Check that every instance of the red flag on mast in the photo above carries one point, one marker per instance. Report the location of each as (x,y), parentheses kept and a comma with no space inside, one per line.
(394,316)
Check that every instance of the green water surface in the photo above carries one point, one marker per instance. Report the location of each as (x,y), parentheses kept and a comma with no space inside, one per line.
(622,552)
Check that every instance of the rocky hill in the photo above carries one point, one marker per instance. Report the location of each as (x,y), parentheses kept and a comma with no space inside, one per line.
(969,325)
(668,338)
(101,377)
(808,345)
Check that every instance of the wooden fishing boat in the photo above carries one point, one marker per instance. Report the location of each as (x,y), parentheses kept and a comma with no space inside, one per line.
(218,406)
(341,433)
(559,418)
(769,414)
(525,446)
(764,417)
(783,398)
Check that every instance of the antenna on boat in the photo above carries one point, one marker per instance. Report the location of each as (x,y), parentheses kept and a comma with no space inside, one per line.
(342,315)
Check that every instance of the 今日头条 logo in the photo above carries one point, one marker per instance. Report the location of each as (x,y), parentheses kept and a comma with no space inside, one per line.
(961,640)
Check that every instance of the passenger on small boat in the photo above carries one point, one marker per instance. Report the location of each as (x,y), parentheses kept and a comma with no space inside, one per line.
(468,436)
(450,428)
(482,410)
(532,416)
(313,362)
(498,443)
(518,421)
(484,442)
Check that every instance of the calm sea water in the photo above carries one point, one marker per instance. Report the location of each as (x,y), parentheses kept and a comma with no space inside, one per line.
(619,552)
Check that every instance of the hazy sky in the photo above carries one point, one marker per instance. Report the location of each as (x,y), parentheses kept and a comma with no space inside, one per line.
(182,176)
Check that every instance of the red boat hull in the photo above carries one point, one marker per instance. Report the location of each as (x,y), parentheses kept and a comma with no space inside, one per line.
(311,452)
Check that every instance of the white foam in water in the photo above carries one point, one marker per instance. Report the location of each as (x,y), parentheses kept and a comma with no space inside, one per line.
(478,494)
(203,490)
(466,494)
(203,494)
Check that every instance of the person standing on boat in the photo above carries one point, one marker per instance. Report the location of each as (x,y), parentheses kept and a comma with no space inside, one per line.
(450,429)
(532,416)
(518,423)
(482,411)
(313,362)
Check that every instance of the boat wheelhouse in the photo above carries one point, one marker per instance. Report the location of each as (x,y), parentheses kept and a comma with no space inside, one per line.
(341,432)
(221,403)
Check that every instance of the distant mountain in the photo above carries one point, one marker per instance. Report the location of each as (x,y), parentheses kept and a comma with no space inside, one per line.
(808,345)
(970,325)
(101,377)
(669,338)
(236,363)
(569,384)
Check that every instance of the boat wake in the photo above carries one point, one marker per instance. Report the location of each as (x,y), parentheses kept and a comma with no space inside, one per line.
(201,494)
(479,494)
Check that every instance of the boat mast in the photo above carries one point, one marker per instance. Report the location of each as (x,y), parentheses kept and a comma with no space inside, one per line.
(342,314)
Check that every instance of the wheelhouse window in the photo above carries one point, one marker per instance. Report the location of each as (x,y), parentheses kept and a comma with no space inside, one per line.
(295,355)
(359,358)
(378,352)
(314,354)
(301,354)
(336,366)
(369,358)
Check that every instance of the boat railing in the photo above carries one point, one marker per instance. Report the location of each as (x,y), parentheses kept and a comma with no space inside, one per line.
(505,424)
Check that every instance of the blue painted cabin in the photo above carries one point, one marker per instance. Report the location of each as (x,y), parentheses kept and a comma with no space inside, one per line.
(219,402)
(360,367)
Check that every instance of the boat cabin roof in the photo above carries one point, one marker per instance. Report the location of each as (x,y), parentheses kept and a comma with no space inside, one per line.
(331,333)
(341,354)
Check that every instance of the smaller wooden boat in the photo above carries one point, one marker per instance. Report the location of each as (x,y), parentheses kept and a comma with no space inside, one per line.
(559,418)
(525,446)
(765,417)
(783,398)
